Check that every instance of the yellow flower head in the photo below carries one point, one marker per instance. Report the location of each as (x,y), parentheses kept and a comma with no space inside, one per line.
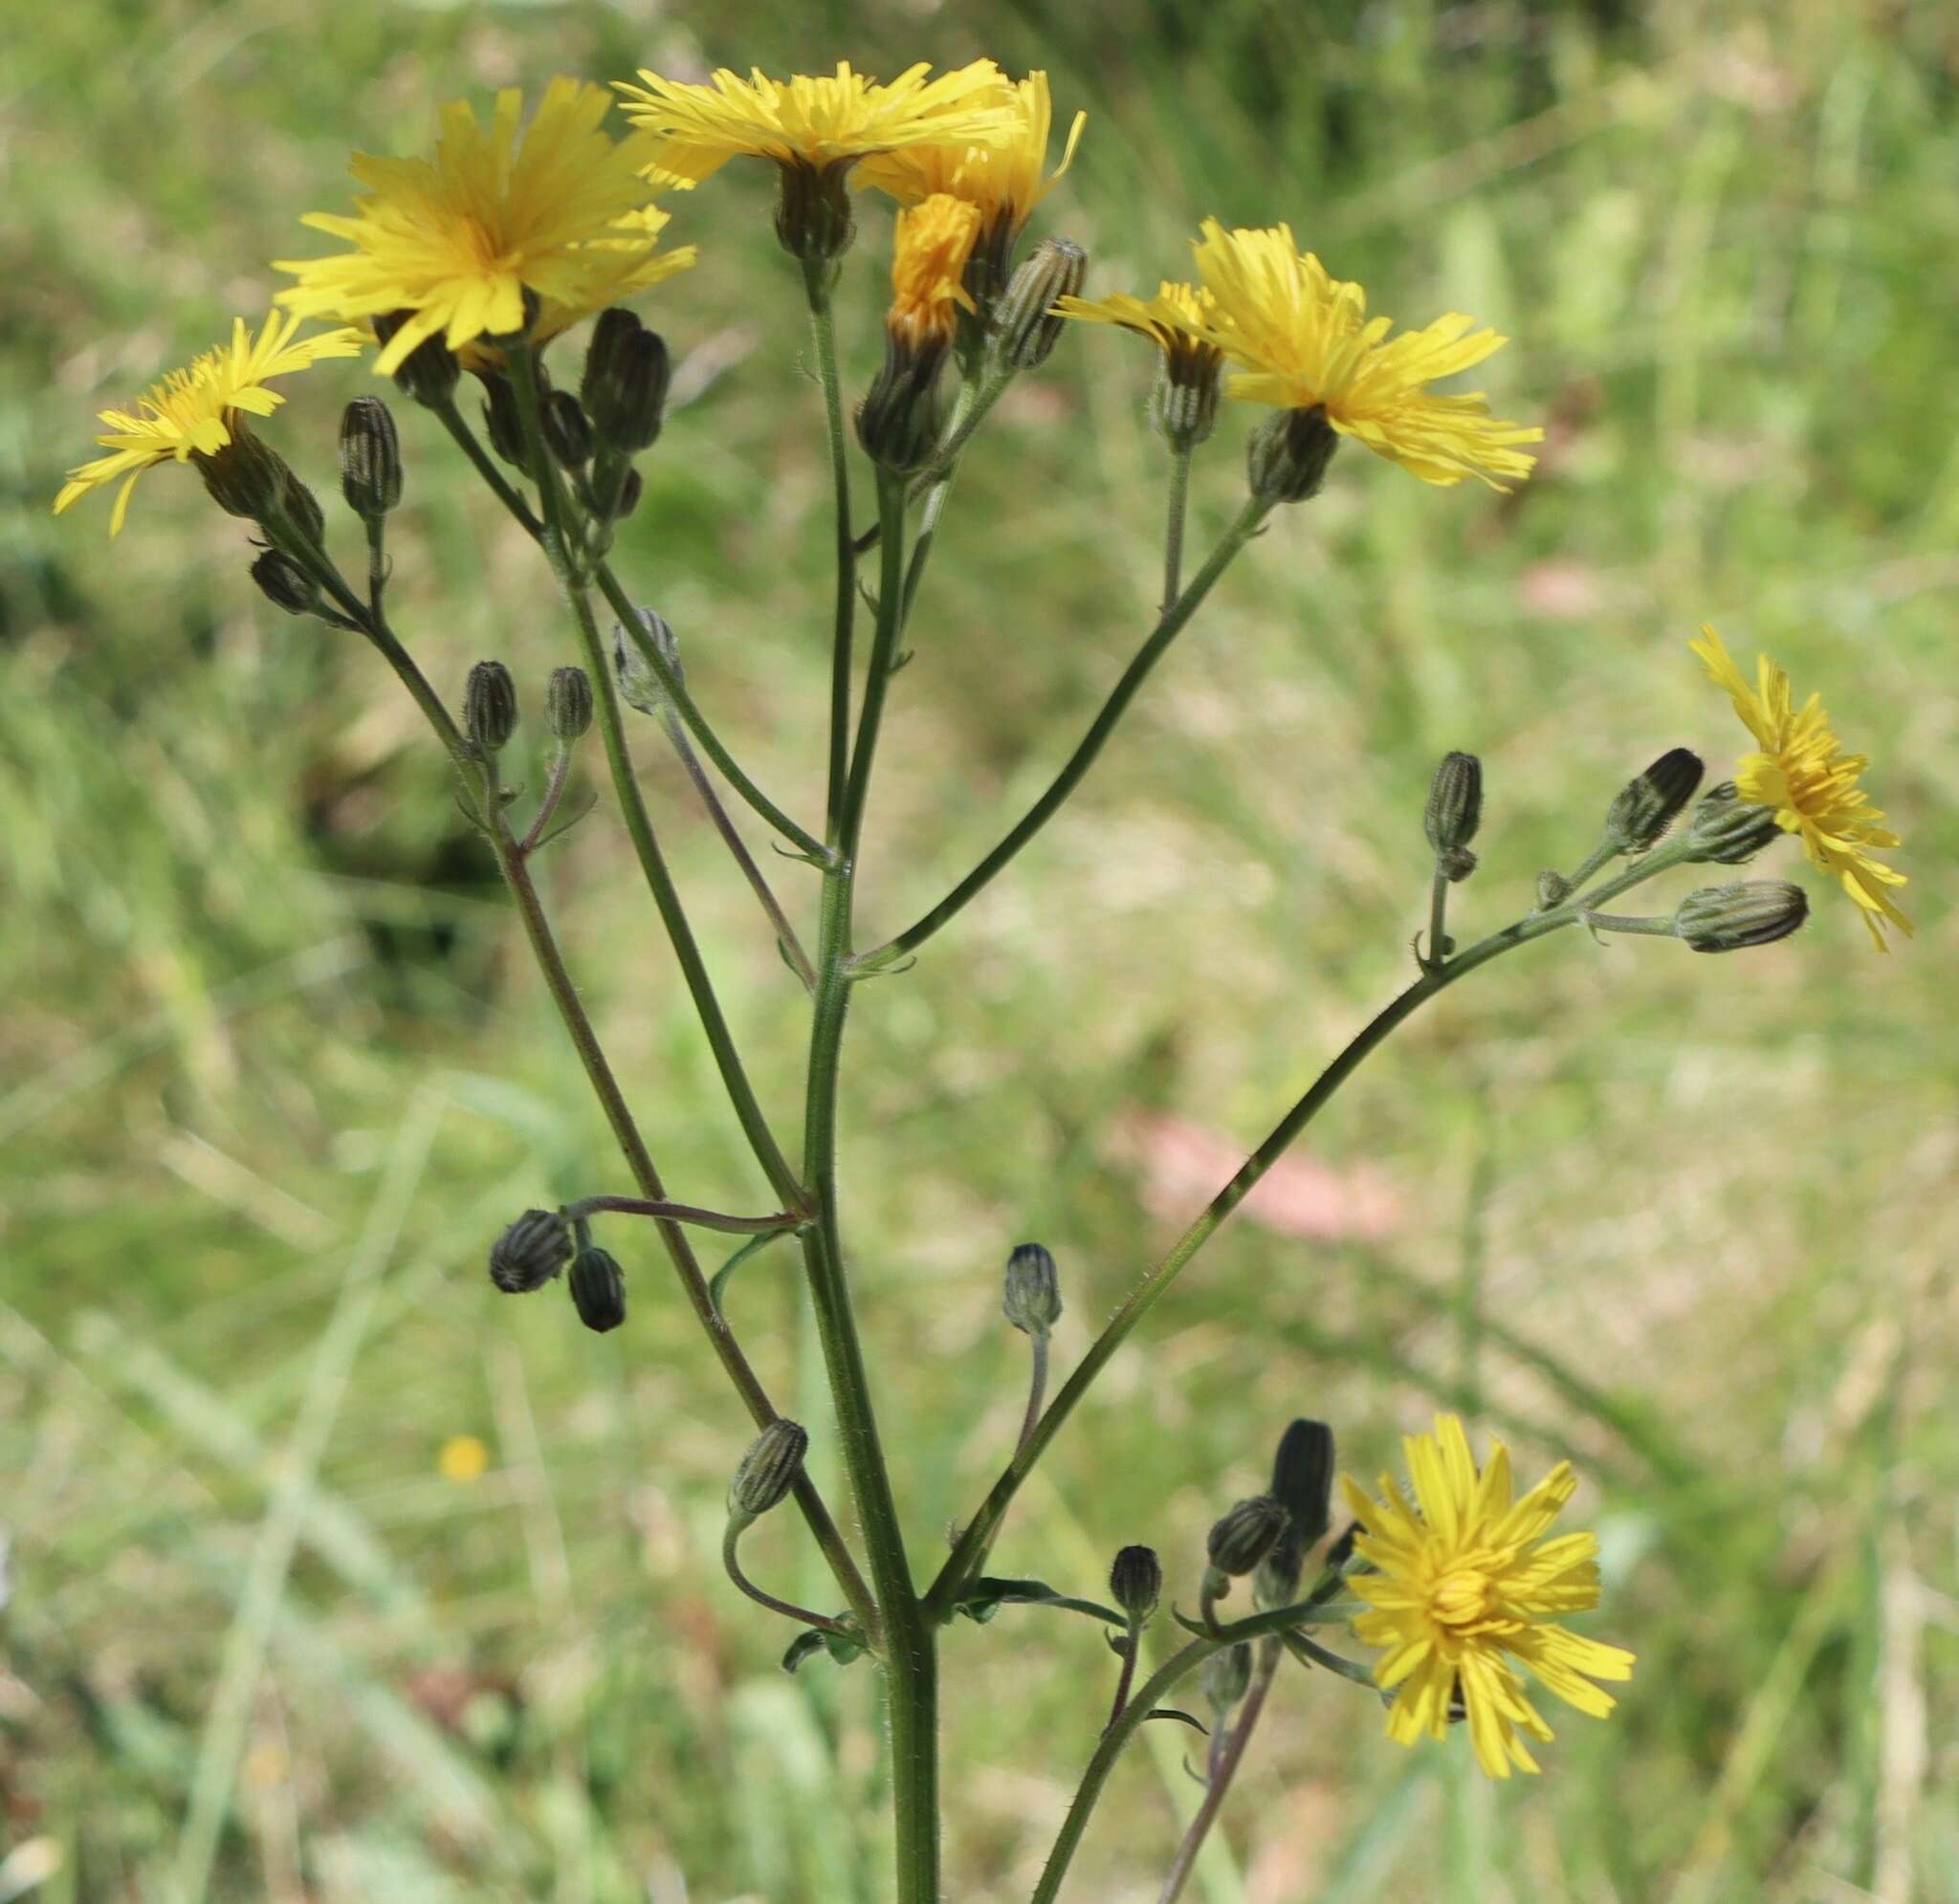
(1177,320)
(1304,339)
(816,123)
(1465,1589)
(462,1457)
(457,240)
(195,412)
(932,242)
(1804,774)
(1006,177)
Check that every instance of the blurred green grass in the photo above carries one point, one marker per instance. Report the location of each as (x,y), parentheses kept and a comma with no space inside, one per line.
(261,991)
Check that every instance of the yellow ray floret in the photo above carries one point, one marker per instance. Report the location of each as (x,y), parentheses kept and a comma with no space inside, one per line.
(194,411)
(1006,177)
(1303,337)
(1464,1590)
(457,239)
(1804,774)
(1177,320)
(819,123)
(932,242)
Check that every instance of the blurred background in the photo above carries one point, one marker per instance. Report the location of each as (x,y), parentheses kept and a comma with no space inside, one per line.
(330,1575)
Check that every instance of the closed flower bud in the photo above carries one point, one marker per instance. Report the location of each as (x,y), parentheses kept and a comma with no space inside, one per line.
(1024,319)
(1646,807)
(598,1289)
(567,435)
(501,423)
(637,680)
(1553,890)
(897,421)
(769,1470)
(301,510)
(1246,1535)
(1033,1290)
(1747,912)
(490,706)
(530,1252)
(284,583)
(569,703)
(1455,803)
(1276,1583)
(630,495)
(1303,1477)
(626,379)
(430,372)
(1728,829)
(1136,1582)
(1227,1675)
(813,217)
(1287,458)
(370,459)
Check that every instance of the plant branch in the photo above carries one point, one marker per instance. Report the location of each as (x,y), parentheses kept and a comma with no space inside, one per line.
(1225,1766)
(1105,723)
(822,1622)
(824,334)
(664,1212)
(1177,508)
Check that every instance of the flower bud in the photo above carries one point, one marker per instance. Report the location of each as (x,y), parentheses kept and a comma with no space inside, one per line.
(1645,807)
(1033,1290)
(569,703)
(813,217)
(490,706)
(626,379)
(1747,912)
(1303,1477)
(501,423)
(1227,1675)
(1554,889)
(1136,1582)
(637,680)
(285,584)
(598,1289)
(530,1252)
(370,459)
(1287,455)
(630,495)
(567,435)
(430,372)
(1244,1536)
(1728,829)
(769,1470)
(1455,805)
(1024,317)
(897,421)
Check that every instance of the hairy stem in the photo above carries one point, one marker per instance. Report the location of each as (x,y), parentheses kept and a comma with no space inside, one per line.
(788,1607)
(1178,509)
(909,1641)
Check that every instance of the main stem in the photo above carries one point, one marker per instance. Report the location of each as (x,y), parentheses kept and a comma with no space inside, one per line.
(908,1640)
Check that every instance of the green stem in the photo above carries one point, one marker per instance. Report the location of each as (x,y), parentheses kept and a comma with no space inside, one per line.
(451,420)
(822,327)
(1438,921)
(909,1641)
(511,864)
(682,703)
(553,791)
(771,1225)
(1105,723)
(788,1607)
(1172,528)
(626,784)
(1150,1290)
(935,498)
(1661,927)
(1122,1728)
(1223,1772)
(966,417)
